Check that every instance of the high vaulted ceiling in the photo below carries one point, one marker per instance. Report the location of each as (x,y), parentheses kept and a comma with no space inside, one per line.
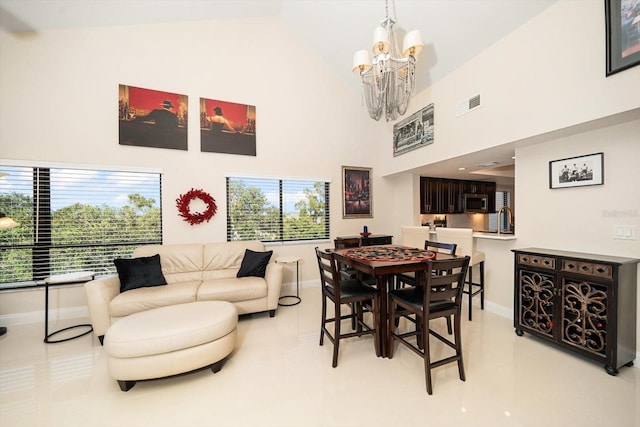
(454,31)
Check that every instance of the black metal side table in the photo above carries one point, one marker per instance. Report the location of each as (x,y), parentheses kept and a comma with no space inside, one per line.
(296,297)
(79,277)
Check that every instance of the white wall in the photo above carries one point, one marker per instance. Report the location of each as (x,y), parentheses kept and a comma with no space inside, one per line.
(582,219)
(59,101)
(547,75)
(545,85)
(59,104)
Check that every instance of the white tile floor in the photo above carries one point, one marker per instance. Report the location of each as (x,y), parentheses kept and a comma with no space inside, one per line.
(279,376)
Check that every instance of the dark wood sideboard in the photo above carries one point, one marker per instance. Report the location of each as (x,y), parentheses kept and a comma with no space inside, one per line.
(370,240)
(585,303)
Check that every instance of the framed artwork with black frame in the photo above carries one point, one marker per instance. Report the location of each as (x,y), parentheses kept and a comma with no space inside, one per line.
(577,171)
(413,132)
(623,34)
(356,192)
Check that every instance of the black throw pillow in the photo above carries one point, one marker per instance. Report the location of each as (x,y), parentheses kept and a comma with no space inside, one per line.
(254,263)
(140,272)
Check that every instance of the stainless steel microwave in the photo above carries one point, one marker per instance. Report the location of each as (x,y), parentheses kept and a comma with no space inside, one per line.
(476,203)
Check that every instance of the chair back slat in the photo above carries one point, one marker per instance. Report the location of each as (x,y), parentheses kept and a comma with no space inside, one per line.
(445,279)
(329,276)
(441,247)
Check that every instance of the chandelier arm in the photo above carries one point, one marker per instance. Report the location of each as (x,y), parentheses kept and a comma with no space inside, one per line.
(388,84)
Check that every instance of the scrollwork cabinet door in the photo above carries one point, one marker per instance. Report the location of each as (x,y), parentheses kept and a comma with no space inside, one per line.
(536,294)
(584,315)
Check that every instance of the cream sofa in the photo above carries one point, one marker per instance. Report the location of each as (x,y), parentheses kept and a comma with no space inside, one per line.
(194,272)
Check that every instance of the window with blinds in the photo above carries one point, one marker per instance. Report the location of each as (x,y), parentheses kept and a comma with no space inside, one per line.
(277,210)
(74,220)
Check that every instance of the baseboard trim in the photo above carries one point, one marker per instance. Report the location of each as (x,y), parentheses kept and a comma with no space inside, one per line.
(499,310)
(83,312)
(38,316)
(508,313)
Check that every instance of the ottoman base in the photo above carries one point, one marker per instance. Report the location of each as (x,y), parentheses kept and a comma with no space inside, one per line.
(210,355)
(216,367)
(169,341)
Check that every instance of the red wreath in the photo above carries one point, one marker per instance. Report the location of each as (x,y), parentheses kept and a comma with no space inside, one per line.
(184,201)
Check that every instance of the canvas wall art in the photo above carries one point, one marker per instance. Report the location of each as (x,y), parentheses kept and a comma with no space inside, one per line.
(356,192)
(151,118)
(622,23)
(414,131)
(227,127)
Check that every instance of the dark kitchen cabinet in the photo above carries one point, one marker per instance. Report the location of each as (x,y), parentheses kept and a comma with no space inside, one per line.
(446,196)
(490,191)
(474,187)
(430,195)
(584,303)
(452,196)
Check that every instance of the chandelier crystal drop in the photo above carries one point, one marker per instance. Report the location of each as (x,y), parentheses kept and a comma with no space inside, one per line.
(388,80)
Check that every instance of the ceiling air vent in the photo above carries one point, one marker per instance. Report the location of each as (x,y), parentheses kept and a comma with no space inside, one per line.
(467,105)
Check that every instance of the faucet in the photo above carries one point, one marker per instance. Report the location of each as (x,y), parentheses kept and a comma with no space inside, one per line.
(510,215)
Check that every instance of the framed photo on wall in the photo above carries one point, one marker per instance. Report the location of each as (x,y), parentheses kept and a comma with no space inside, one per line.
(356,192)
(152,118)
(623,34)
(414,131)
(227,127)
(577,171)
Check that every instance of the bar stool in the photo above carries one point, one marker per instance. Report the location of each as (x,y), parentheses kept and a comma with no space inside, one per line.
(466,245)
(415,236)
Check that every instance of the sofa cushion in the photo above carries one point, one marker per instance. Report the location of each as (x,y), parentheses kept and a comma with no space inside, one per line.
(254,263)
(139,272)
(227,255)
(171,328)
(232,289)
(180,263)
(143,299)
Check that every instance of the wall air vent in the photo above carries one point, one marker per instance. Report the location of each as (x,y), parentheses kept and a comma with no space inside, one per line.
(467,105)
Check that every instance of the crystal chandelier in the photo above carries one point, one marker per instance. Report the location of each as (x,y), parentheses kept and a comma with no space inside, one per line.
(387,84)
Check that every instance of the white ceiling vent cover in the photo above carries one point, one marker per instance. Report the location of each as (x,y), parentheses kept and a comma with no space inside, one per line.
(467,105)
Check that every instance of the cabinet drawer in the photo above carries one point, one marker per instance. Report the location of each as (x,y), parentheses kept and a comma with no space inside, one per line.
(537,261)
(374,241)
(587,268)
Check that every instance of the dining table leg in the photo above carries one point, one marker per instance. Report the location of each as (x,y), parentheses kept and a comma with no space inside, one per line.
(383,319)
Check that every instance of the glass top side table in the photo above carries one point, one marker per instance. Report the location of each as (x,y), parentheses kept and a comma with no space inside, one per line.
(296,298)
(79,277)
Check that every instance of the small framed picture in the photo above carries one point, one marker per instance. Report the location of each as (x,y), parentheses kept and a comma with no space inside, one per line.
(577,171)
(356,192)
(622,22)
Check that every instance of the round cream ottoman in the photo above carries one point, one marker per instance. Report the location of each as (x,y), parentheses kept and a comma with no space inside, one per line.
(170,340)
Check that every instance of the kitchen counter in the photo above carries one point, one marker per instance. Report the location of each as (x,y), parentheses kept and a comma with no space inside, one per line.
(490,235)
(494,236)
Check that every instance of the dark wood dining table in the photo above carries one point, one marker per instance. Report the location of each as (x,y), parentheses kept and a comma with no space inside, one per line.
(384,262)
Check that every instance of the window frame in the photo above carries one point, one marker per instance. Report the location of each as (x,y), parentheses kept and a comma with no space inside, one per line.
(43,247)
(281,184)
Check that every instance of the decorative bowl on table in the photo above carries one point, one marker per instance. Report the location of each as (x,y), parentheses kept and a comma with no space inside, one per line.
(363,234)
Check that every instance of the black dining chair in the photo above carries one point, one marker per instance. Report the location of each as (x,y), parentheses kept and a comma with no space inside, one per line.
(403,279)
(440,297)
(339,291)
(346,271)
(409,279)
